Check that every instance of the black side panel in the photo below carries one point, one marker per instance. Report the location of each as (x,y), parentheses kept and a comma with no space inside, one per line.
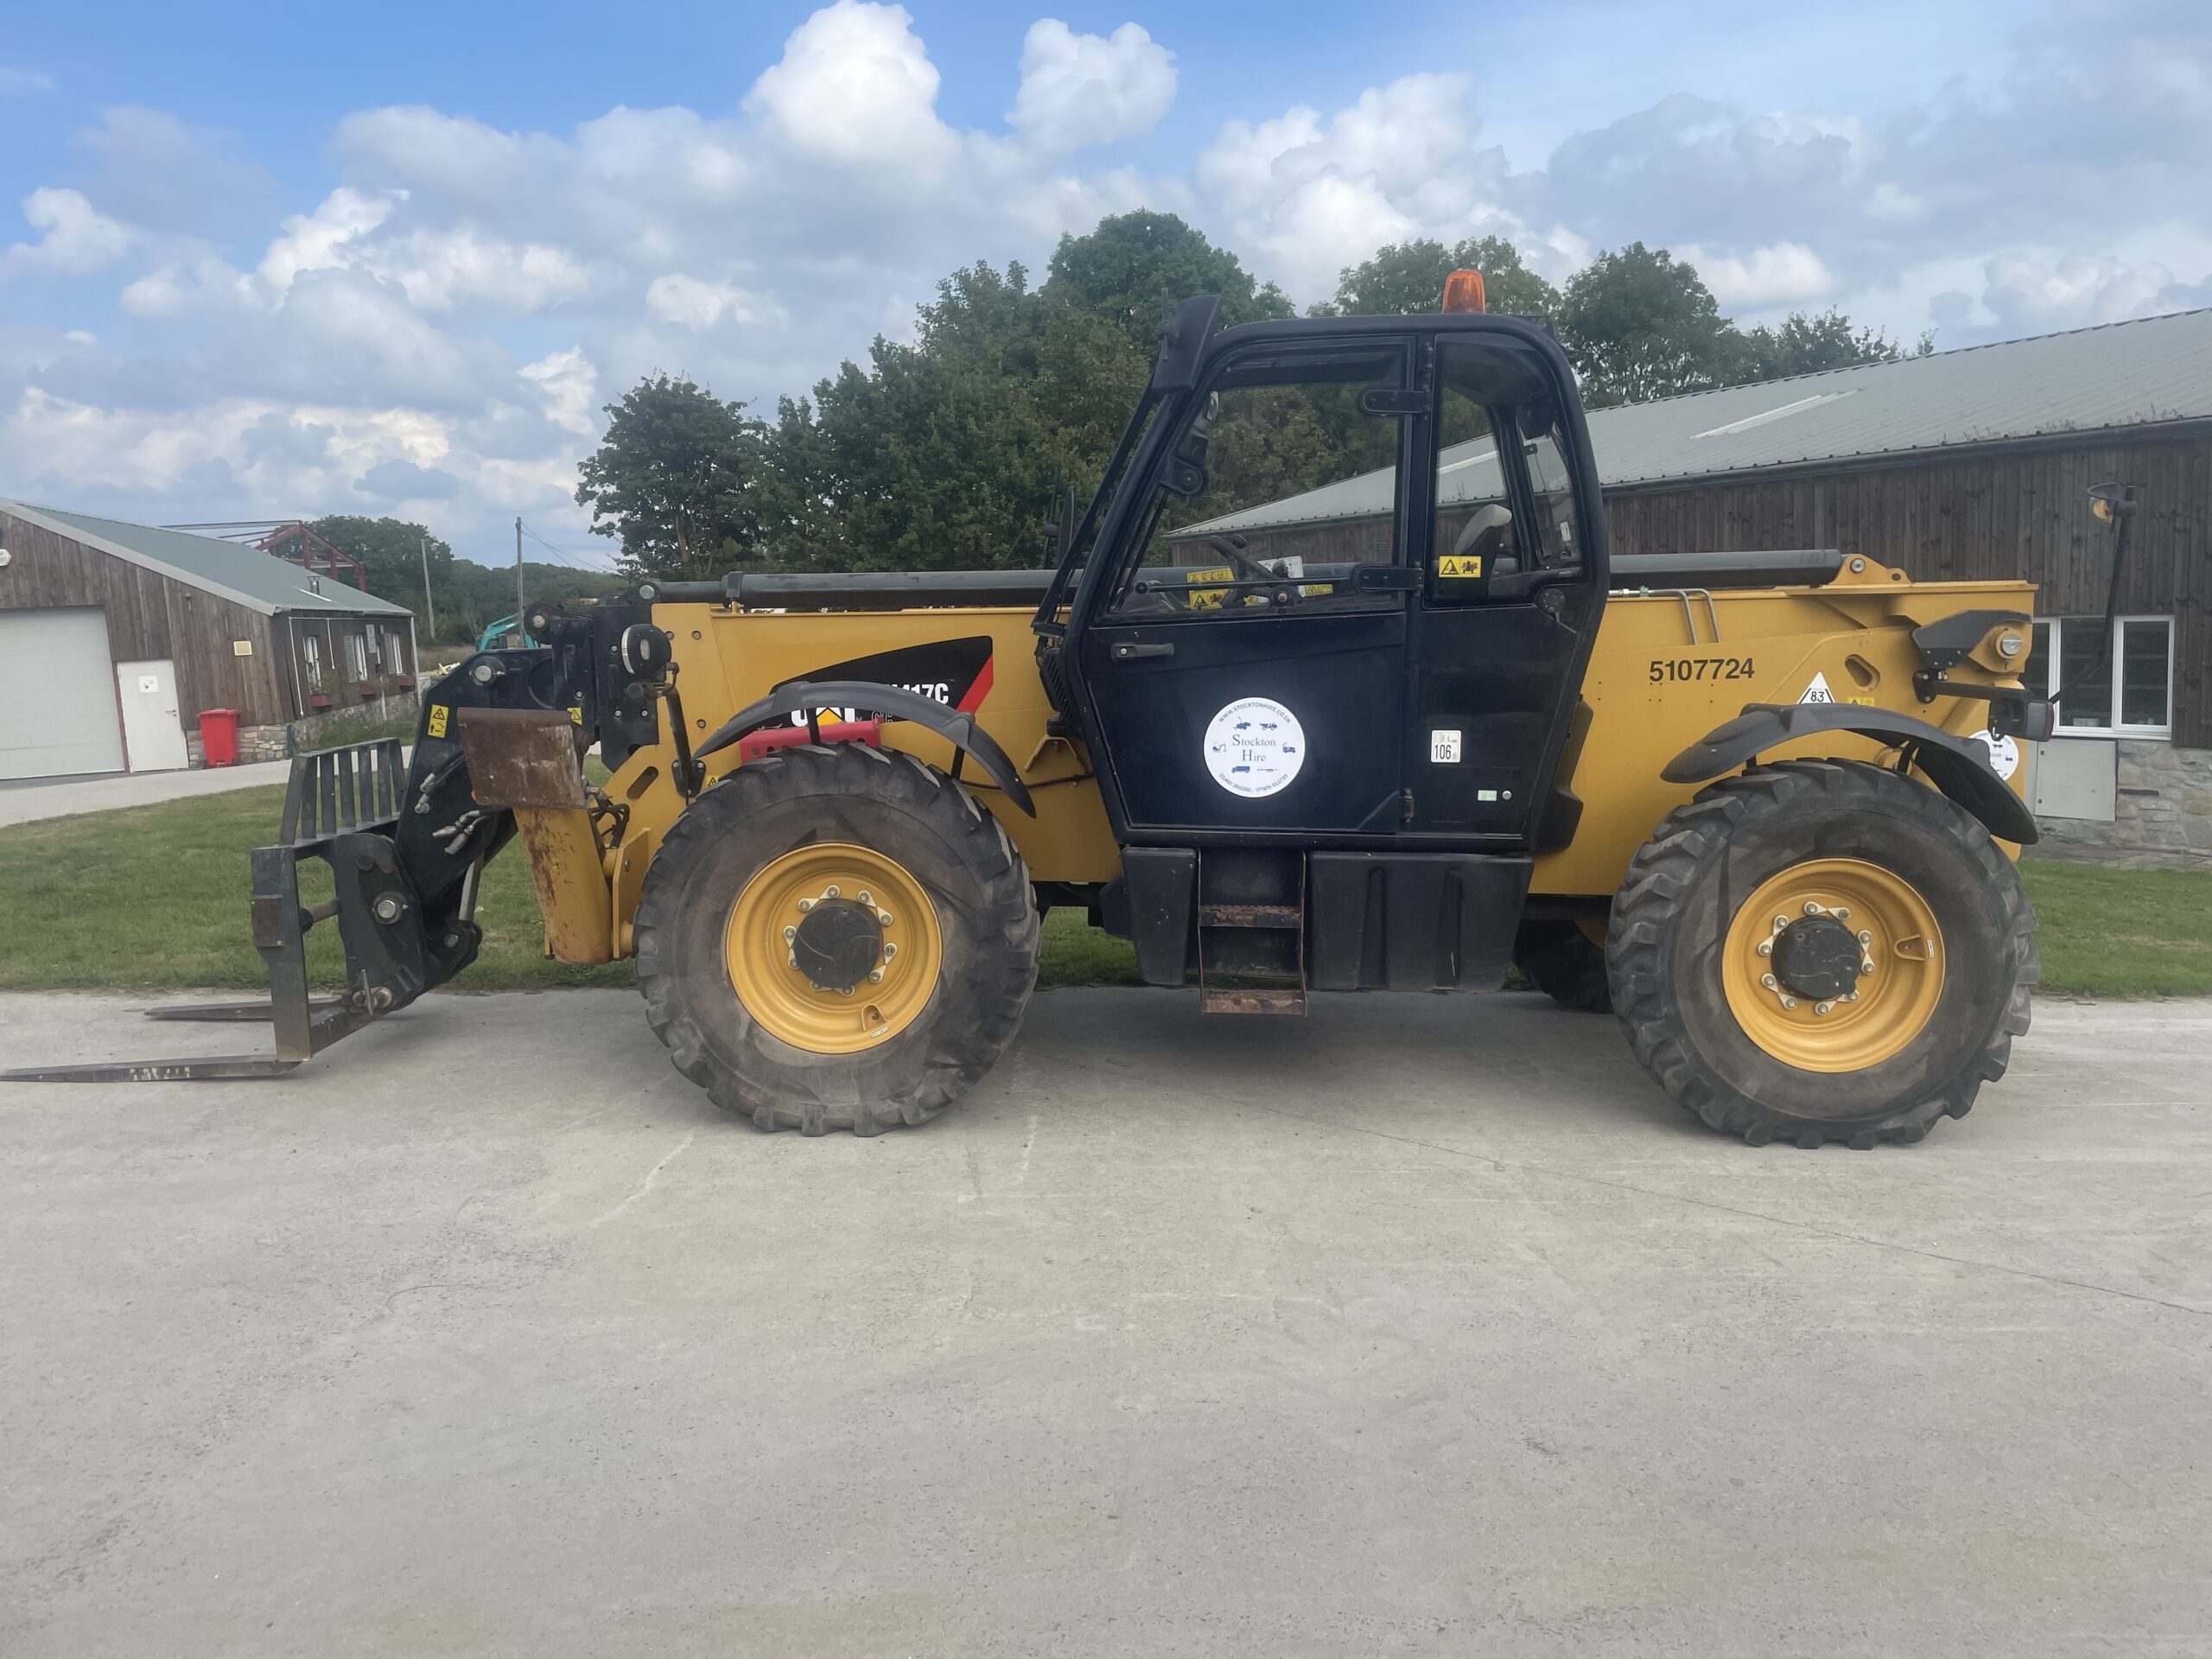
(1413,921)
(1163,886)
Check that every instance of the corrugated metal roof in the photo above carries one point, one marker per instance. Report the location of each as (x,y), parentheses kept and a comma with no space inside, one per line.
(245,575)
(2148,372)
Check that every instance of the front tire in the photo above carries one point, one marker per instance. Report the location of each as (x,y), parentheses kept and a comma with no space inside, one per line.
(1822,951)
(856,1022)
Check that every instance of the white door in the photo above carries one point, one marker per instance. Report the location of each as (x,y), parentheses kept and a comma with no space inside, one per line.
(152,735)
(57,694)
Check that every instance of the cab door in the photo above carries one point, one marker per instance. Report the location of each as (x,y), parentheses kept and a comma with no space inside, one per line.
(1244,654)
(1512,586)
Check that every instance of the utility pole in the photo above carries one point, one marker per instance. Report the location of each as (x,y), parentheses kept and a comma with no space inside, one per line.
(520,605)
(428,603)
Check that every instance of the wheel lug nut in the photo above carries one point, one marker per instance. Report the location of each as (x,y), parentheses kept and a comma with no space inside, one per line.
(805,905)
(883,916)
(1788,1002)
(1767,980)
(844,990)
(889,951)
(1865,938)
(1766,947)
(876,977)
(1822,1007)
(864,898)
(829,893)
(1812,909)
(1781,922)
(1842,912)
(789,933)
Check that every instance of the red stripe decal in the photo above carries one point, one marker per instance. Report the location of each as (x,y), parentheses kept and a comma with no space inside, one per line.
(979,690)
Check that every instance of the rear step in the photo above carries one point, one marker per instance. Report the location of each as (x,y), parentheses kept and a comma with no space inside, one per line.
(1251,918)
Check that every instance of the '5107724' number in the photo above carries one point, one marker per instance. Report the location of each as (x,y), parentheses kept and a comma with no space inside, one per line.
(1700,668)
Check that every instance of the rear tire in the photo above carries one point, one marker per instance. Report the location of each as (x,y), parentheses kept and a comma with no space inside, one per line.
(1730,1049)
(894,815)
(1566,964)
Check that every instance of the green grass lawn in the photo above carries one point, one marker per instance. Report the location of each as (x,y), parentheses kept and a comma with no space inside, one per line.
(153,898)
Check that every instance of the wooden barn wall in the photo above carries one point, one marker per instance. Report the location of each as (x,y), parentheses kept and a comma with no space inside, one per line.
(149,617)
(2020,515)
(341,688)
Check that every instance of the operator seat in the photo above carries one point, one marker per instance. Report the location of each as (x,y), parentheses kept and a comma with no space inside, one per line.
(1490,533)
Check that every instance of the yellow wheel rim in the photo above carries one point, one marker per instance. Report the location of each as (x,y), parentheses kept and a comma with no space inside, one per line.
(758,948)
(1901,977)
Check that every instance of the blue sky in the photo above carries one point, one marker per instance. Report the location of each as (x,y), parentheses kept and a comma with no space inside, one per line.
(260,260)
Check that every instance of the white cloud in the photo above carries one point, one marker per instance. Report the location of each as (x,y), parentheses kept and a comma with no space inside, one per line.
(77,239)
(181,289)
(697,304)
(17,81)
(318,241)
(1089,89)
(1784,273)
(441,270)
(569,385)
(855,87)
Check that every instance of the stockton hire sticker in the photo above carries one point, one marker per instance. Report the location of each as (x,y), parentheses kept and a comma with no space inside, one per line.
(2004,752)
(1255,746)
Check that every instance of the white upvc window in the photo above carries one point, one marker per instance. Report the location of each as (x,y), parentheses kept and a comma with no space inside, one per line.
(311,658)
(2129,694)
(359,653)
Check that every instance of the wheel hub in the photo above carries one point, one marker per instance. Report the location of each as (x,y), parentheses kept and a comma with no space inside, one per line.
(834,948)
(1817,957)
(837,944)
(1832,964)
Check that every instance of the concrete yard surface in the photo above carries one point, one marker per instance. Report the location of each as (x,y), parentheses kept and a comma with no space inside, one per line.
(30,799)
(1422,1326)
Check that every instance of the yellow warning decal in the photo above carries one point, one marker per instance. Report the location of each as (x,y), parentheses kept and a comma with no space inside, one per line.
(576,713)
(1460,564)
(1206,599)
(437,725)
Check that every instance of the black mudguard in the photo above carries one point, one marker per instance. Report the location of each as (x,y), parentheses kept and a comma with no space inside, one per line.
(811,696)
(1957,765)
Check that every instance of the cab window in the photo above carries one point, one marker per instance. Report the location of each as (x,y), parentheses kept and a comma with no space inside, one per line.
(1278,484)
(1505,494)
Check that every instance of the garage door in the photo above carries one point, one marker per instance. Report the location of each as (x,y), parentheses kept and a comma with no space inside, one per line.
(57,694)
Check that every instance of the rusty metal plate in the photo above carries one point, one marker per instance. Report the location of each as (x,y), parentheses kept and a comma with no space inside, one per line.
(1212,1000)
(1250,916)
(522,757)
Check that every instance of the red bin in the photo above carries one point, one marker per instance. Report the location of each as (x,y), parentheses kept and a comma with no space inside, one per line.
(219,736)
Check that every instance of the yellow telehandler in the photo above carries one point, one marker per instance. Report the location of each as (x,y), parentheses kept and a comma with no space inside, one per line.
(1334,687)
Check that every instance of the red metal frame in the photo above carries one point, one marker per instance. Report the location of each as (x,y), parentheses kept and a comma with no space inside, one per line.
(294,541)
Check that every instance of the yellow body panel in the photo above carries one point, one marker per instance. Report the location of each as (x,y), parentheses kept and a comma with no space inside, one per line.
(1668,668)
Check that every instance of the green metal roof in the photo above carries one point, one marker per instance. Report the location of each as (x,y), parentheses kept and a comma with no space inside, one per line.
(2123,378)
(244,576)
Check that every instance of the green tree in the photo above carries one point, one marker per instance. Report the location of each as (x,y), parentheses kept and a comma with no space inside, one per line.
(1408,278)
(392,551)
(945,454)
(1640,324)
(1121,270)
(678,479)
(1804,344)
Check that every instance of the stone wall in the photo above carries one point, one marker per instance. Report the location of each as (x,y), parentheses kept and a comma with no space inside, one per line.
(316,732)
(2164,803)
